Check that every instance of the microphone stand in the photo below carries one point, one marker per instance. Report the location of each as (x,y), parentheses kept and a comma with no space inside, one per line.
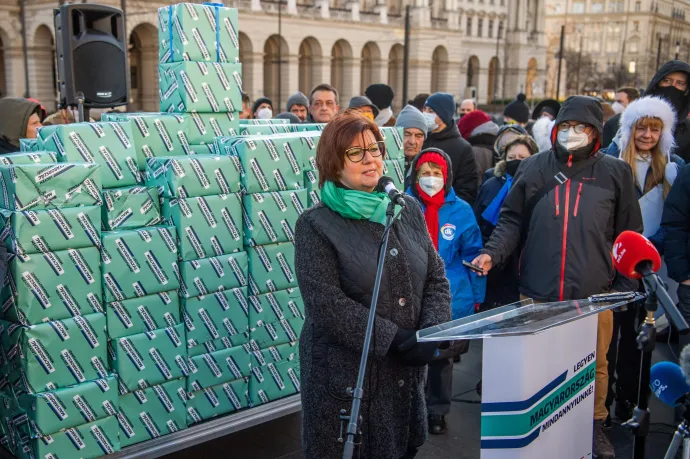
(357,394)
(646,341)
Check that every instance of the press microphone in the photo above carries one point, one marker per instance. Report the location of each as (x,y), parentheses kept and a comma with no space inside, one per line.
(636,257)
(387,186)
(669,382)
(685,363)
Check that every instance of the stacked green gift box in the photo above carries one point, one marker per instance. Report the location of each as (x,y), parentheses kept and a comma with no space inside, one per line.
(58,396)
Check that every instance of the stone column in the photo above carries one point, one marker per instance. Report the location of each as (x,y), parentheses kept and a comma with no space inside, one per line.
(256,85)
(292,7)
(256,5)
(324,10)
(148,94)
(293,80)
(382,10)
(14,71)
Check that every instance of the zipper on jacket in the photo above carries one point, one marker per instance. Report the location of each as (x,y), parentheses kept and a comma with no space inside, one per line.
(577,200)
(558,201)
(565,238)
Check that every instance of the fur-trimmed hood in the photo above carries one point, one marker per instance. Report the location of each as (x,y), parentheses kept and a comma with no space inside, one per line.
(648,107)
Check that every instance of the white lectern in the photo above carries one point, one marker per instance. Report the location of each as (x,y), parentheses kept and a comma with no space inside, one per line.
(538,375)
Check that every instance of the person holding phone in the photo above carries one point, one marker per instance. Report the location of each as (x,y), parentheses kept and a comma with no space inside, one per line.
(454,231)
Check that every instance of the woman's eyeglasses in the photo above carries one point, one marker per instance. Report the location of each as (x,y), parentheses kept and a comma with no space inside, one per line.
(356,154)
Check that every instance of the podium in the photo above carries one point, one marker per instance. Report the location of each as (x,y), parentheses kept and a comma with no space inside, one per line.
(538,374)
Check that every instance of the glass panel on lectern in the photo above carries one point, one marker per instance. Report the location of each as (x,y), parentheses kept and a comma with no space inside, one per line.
(521,318)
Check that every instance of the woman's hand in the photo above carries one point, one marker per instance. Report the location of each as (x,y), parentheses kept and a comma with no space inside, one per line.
(416,354)
(483,262)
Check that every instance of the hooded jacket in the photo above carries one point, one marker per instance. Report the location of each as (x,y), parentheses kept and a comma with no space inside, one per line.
(675,223)
(482,140)
(459,239)
(569,237)
(682,131)
(14,119)
(461,157)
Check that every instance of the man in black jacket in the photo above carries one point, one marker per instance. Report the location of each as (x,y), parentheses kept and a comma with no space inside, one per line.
(569,233)
(444,135)
(671,83)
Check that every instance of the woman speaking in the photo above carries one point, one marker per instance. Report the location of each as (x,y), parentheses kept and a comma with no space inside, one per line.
(336,253)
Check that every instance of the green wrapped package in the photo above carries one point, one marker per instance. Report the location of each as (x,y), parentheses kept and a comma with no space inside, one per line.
(49,186)
(311,181)
(210,369)
(276,333)
(217,400)
(274,306)
(264,129)
(257,122)
(109,144)
(152,412)
(52,230)
(52,286)
(70,406)
(131,207)
(209,275)
(225,342)
(271,354)
(215,316)
(150,358)
(194,32)
(204,149)
(56,354)
(204,127)
(206,226)
(271,268)
(156,134)
(205,88)
(28,144)
(393,136)
(86,441)
(395,169)
(193,176)
(268,163)
(274,381)
(307,127)
(29,157)
(139,262)
(139,315)
(271,217)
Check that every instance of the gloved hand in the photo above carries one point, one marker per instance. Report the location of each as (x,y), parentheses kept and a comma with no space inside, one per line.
(402,335)
(416,354)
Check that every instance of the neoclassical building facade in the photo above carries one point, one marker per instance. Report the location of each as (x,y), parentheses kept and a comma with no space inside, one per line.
(487,49)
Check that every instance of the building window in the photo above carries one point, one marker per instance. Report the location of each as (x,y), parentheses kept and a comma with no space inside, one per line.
(636,26)
(469,27)
(491,28)
(638,7)
(579,7)
(480,26)
(633,47)
(598,7)
(616,6)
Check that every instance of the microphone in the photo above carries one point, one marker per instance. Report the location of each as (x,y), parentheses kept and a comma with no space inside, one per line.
(669,382)
(636,257)
(387,186)
(685,363)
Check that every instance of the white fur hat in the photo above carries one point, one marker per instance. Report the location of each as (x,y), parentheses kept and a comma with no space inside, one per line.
(648,107)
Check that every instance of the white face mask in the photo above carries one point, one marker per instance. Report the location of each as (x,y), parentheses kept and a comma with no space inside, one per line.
(430,119)
(571,140)
(617,107)
(264,114)
(431,185)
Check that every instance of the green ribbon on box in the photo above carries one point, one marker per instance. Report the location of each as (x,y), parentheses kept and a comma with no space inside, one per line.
(131,207)
(217,400)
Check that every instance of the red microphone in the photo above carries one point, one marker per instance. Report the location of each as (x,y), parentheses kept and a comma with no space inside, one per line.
(635,256)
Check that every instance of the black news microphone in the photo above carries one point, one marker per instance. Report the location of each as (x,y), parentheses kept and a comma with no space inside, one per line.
(387,186)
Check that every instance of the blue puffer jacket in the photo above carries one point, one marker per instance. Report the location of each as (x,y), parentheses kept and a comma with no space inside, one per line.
(459,239)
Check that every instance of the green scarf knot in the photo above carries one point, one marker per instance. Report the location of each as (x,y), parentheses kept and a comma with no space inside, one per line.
(357,205)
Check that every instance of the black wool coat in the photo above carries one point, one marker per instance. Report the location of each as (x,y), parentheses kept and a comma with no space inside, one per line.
(335,262)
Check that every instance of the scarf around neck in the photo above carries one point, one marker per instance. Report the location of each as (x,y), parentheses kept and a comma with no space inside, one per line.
(432,204)
(356,205)
(493,210)
(384,116)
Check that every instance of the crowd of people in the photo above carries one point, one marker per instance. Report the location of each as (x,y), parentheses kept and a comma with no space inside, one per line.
(534,199)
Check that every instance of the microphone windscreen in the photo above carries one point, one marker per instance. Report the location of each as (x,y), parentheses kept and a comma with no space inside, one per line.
(667,381)
(684,362)
(631,248)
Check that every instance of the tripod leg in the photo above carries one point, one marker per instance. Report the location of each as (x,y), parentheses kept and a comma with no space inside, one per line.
(686,448)
(677,442)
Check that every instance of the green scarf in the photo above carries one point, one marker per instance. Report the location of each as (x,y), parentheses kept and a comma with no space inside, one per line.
(357,205)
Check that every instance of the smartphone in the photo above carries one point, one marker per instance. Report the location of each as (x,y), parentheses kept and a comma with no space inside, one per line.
(474,268)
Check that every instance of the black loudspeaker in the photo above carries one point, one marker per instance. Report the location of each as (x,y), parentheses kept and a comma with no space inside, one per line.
(91,51)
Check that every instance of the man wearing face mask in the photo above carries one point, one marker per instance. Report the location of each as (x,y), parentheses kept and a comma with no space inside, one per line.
(439,109)
(671,82)
(456,236)
(262,109)
(567,206)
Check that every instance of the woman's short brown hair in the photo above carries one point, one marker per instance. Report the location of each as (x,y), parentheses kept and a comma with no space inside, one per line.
(337,137)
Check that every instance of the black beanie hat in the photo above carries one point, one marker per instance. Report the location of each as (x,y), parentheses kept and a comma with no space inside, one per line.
(259,101)
(380,94)
(518,109)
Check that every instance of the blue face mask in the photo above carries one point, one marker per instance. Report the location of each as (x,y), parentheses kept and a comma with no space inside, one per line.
(430,119)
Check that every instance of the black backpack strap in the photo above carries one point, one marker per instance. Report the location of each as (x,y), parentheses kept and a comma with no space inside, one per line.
(559,179)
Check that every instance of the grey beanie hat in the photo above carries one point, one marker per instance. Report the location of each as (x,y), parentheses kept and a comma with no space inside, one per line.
(297,99)
(411,117)
(363,101)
